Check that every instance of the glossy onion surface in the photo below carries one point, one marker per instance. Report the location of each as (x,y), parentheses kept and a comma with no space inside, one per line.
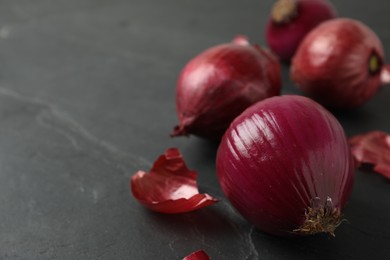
(220,83)
(291,20)
(339,63)
(284,160)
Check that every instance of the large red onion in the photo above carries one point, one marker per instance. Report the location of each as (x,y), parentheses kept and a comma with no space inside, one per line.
(340,64)
(220,83)
(291,20)
(286,166)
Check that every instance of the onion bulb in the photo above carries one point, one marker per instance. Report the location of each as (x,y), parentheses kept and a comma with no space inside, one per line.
(340,64)
(291,20)
(286,166)
(220,83)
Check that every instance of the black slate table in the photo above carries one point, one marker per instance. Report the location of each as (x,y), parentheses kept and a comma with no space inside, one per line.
(87,97)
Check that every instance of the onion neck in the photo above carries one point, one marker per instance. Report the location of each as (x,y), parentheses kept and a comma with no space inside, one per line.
(183,128)
(321,219)
(241,40)
(284,10)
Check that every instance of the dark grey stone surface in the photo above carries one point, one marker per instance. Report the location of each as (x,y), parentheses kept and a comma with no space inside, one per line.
(87,98)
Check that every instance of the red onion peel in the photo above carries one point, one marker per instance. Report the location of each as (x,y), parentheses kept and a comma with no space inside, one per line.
(385,74)
(372,148)
(220,83)
(286,166)
(340,64)
(291,20)
(170,187)
(198,255)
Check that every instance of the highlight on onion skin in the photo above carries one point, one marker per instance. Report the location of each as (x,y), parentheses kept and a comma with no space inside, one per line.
(340,64)
(286,166)
(372,148)
(291,20)
(220,83)
(198,255)
(170,187)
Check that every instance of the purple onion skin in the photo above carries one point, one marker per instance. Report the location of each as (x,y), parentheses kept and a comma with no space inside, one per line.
(278,157)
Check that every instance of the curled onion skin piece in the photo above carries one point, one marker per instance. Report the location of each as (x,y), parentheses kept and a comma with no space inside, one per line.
(220,83)
(170,187)
(286,166)
(372,148)
(198,255)
(291,20)
(340,64)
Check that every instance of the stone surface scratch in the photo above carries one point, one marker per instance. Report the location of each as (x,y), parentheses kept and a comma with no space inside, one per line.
(81,139)
(253,253)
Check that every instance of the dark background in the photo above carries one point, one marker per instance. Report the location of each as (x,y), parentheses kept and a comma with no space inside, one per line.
(87,97)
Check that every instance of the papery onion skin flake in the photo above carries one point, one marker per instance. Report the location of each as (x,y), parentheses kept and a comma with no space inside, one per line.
(198,255)
(220,83)
(170,187)
(372,148)
(286,166)
(291,20)
(340,64)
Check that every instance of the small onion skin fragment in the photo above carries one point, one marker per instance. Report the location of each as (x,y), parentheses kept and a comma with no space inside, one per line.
(372,148)
(340,64)
(291,20)
(286,166)
(198,255)
(170,187)
(220,83)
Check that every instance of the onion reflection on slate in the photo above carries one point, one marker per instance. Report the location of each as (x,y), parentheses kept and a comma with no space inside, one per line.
(286,166)
(220,83)
(170,187)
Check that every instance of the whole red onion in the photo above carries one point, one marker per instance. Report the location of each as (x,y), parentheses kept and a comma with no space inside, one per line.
(340,64)
(220,83)
(291,20)
(285,165)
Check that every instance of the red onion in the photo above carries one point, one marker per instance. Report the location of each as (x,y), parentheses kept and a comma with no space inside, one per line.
(291,20)
(372,148)
(286,166)
(220,83)
(170,187)
(340,64)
